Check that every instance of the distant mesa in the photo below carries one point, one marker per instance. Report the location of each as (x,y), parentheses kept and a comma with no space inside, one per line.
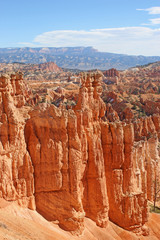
(83,58)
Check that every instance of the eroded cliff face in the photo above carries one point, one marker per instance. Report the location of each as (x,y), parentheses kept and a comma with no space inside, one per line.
(66,151)
(16,170)
(126,176)
(132,165)
(83,165)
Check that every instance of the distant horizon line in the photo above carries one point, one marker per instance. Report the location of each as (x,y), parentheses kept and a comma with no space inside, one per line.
(80,47)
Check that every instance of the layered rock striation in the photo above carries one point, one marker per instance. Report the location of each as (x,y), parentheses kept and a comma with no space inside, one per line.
(74,162)
(16,169)
(66,151)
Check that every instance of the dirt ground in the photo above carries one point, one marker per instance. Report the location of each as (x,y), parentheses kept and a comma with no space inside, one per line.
(18,223)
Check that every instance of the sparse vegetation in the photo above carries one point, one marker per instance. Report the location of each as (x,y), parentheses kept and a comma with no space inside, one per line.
(154,209)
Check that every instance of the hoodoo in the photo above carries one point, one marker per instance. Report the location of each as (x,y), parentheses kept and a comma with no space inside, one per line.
(72,163)
(16,169)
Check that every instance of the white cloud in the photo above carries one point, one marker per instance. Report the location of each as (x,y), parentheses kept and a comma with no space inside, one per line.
(142,40)
(126,40)
(152,10)
(152,22)
(62,37)
(155,21)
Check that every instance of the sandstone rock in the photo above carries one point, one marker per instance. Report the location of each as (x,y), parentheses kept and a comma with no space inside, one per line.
(82,164)
(111,114)
(151,107)
(69,162)
(111,73)
(126,191)
(16,170)
(90,161)
(156,121)
(49,67)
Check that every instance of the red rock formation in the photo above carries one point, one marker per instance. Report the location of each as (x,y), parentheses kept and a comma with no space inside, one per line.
(156,121)
(128,115)
(131,158)
(89,110)
(111,114)
(80,162)
(111,97)
(84,156)
(16,170)
(112,76)
(145,131)
(68,162)
(151,107)
(56,198)
(111,73)
(49,67)
(125,176)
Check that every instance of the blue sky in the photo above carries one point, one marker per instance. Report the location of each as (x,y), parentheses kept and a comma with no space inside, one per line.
(119,26)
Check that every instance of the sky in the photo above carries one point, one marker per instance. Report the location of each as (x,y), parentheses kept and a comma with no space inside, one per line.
(117,26)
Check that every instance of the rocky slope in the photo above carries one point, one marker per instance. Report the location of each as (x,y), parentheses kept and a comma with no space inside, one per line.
(132,93)
(24,224)
(38,72)
(72,163)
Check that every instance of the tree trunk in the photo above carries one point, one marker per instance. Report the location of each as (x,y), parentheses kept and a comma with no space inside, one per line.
(155,198)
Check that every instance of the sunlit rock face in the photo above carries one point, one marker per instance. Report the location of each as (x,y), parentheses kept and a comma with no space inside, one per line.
(16,169)
(66,151)
(72,163)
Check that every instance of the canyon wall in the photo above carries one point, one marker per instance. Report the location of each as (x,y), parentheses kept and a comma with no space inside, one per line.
(66,151)
(16,169)
(75,163)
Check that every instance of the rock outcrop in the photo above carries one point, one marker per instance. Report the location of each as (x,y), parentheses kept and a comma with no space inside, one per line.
(16,170)
(48,67)
(66,151)
(112,75)
(125,176)
(83,164)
